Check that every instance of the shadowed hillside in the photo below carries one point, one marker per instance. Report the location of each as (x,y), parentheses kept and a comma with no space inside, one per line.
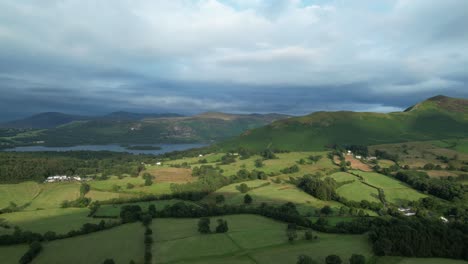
(436,118)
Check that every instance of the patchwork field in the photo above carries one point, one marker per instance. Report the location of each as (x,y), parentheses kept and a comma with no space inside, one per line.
(250,239)
(264,191)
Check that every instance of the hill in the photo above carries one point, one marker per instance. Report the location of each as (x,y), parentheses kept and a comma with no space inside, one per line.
(438,117)
(43,121)
(130,128)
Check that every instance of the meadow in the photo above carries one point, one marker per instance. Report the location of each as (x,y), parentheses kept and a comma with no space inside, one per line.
(396,192)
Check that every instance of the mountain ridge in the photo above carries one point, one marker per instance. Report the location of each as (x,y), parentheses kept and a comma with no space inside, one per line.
(435,118)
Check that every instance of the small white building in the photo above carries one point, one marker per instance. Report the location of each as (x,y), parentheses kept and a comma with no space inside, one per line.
(349,152)
(200,155)
(445,220)
(358,157)
(158,163)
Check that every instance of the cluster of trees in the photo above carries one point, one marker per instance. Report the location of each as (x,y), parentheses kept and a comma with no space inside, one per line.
(294,168)
(382,154)
(419,237)
(204,226)
(332,259)
(322,189)
(34,249)
(37,166)
(210,179)
(442,188)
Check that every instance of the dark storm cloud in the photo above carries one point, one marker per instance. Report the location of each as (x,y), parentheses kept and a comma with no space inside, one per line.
(244,56)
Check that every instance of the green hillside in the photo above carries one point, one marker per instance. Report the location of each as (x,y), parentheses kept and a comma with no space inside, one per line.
(436,118)
(205,127)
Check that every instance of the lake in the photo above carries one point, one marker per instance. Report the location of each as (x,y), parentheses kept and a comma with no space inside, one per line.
(112,147)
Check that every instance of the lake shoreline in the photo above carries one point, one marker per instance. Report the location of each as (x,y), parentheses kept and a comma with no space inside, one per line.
(158,148)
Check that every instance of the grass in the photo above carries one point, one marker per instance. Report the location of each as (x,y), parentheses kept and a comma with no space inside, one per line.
(108,185)
(250,239)
(355,191)
(12,254)
(395,191)
(123,244)
(53,194)
(57,220)
(20,193)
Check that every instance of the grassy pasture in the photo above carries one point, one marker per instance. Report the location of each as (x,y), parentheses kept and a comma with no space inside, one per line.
(250,239)
(395,191)
(59,220)
(333,220)
(123,244)
(356,191)
(12,254)
(20,193)
(53,194)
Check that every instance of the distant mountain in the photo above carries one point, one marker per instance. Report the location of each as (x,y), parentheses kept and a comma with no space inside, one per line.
(122,127)
(126,116)
(43,121)
(55,119)
(435,118)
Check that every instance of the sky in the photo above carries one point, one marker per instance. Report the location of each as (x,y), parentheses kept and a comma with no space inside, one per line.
(241,56)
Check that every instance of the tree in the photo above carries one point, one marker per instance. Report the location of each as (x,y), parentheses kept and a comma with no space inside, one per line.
(343,210)
(222,226)
(258,163)
(219,198)
(84,189)
(148,179)
(146,219)
(130,186)
(357,259)
(247,199)
(152,210)
(326,210)
(333,259)
(108,261)
(243,188)
(291,234)
(204,225)
(304,259)
(308,235)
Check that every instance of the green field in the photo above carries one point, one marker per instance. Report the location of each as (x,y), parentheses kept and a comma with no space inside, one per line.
(355,191)
(123,244)
(59,220)
(251,239)
(395,191)
(20,193)
(11,254)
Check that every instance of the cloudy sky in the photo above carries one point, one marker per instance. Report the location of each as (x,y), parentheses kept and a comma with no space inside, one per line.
(190,56)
